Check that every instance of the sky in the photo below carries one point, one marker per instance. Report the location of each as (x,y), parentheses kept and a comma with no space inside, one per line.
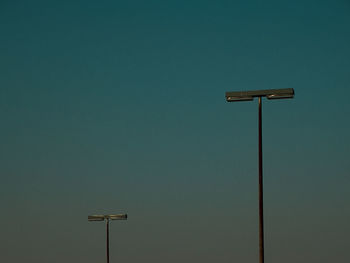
(119,107)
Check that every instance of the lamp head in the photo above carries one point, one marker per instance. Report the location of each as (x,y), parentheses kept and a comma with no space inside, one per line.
(96,218)
(249,95)
(117,217)
(108,217)
(233,98)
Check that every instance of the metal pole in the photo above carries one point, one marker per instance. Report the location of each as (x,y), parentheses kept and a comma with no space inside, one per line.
(107,228)
(261,212)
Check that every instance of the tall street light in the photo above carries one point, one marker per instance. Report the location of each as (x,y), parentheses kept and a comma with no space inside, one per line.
(107,218)
(250,95)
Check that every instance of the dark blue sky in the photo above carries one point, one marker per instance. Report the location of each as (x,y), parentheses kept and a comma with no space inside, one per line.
(119,106)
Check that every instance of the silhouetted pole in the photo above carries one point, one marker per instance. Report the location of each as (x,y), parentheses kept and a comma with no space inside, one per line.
(261,203)
(107,228)
(107,218)
(248,96)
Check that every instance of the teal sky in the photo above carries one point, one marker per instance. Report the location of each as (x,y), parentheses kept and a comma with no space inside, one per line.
(119,106)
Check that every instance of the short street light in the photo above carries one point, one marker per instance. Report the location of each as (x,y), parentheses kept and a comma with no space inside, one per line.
(107,218)
(250,95)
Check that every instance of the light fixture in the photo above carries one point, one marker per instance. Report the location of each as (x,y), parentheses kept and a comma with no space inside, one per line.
(269,93)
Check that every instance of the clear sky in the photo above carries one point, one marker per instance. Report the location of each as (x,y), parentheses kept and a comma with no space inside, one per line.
(119,106)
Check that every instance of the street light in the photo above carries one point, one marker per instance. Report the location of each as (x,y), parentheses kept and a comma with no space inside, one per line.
(107,218)
(250,95)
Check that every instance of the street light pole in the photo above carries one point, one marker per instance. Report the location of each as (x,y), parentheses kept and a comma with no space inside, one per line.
(107,218)
(247,96)
(261,196)
(107,236)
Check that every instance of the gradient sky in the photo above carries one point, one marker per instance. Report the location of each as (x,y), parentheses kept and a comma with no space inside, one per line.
(119,106)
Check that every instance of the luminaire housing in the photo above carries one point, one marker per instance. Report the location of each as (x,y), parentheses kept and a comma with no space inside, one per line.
(117,217)
(268,93)
(96,218)
(111,217)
